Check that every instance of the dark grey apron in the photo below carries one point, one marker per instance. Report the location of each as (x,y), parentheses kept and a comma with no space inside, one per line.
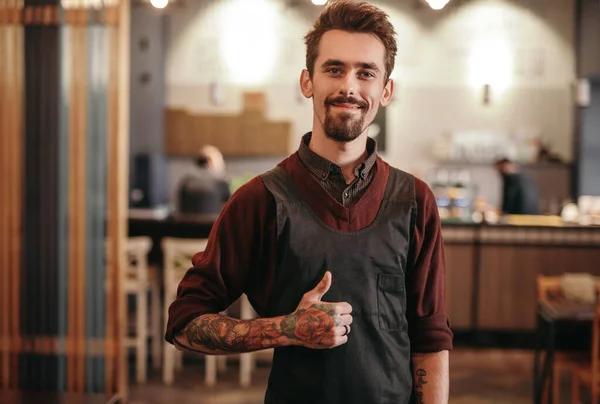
(368,269)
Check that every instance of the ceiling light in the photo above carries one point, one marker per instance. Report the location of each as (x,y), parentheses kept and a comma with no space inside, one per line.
(437,4)
(159,3)
(319,2)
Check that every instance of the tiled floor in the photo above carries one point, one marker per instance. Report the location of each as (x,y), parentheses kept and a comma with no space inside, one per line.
(476,377)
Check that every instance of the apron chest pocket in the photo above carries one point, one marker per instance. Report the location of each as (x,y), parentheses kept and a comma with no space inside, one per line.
(391,301)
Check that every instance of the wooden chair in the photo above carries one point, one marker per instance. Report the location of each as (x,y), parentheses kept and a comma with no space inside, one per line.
(549,288)
(142,281)
(588,374)
(178,255)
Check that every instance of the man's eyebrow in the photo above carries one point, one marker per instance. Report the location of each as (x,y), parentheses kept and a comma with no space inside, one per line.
(362,65)
(369,65)
(332,62)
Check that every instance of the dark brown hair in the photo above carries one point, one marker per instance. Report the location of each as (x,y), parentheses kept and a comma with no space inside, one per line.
(352,17)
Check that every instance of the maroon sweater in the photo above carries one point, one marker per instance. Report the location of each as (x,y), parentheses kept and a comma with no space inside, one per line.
(241,254)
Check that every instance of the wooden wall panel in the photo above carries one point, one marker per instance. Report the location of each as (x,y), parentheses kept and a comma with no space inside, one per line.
(62,316)
(459,285)
(246,134)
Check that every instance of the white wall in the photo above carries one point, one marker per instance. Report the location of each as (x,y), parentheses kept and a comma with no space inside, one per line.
(526,46)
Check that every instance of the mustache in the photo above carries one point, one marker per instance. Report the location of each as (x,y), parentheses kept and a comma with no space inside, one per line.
(345,100)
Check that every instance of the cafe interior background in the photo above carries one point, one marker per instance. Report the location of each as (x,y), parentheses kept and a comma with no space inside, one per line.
(104,106)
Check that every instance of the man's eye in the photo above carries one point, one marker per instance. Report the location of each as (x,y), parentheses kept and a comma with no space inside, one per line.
(334,70)
(367,74)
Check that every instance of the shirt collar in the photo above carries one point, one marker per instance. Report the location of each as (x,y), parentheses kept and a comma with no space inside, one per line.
(320,167)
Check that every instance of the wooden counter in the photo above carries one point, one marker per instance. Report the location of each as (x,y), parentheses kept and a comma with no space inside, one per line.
(492,270)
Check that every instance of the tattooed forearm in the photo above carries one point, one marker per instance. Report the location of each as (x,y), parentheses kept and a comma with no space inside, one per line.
(420,381)
(214,333)
(218,334)
(431,374)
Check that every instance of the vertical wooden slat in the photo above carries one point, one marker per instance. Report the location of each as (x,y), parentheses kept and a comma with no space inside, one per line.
(17,188)
(63,216)
(5,139)
(38,297)
(73,193)
(122,176)
(117,16)
(31,201)
(52,53)
(76,208)
(110,346)
(43,134)
(76,340)
(90,211)
(11,137)
(70,340)
(96,203)
(82,213)
(100,74)
(10,142)
(77,187)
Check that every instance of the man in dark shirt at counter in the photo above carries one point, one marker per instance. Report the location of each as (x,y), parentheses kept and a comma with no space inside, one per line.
(519,191)
(206,191)
(340,254)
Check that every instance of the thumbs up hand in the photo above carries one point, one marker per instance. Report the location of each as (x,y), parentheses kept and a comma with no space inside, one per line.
(317,324)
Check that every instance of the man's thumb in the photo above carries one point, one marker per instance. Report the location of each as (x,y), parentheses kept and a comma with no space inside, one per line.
(322,288)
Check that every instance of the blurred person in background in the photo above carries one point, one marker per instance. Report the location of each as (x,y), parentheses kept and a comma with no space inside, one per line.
(519,191)
(340,254)
(205,191)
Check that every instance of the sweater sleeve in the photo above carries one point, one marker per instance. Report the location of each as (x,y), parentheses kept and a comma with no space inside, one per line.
(239,258)
(429,324)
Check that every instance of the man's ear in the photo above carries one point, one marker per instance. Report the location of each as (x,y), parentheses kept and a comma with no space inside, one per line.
(306,84)
(388,93)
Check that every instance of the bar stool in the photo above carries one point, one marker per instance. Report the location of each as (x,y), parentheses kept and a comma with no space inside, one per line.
(141,281)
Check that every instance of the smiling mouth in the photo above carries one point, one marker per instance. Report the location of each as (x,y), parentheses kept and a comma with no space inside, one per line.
(347,106)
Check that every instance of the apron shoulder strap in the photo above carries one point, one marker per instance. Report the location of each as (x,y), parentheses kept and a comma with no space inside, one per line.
(400,186)
(280,185)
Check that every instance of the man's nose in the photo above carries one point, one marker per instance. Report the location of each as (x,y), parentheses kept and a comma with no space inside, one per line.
(348,85)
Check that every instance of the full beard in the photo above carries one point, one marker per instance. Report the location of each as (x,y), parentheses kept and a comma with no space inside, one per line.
(344,126)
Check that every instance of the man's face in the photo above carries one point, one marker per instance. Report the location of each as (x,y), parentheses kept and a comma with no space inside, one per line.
(348,85)
(503,168)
